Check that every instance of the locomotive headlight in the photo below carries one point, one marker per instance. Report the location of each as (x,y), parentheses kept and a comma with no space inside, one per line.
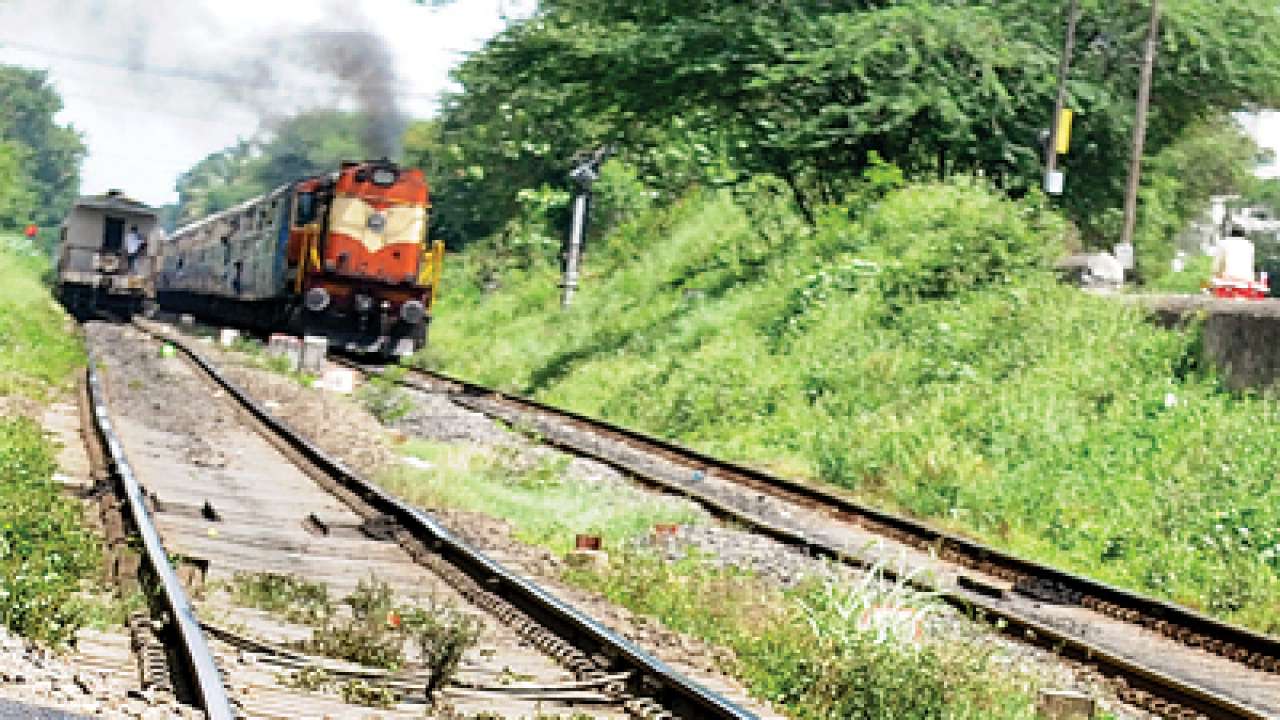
(364,303)
(413,312)
(316,299)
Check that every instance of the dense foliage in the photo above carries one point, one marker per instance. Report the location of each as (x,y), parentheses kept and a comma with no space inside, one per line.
(45,551)
(39,159)
(814,92)
(306,144)
(983,395)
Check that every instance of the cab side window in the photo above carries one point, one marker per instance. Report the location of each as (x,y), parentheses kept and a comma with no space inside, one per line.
(306,209)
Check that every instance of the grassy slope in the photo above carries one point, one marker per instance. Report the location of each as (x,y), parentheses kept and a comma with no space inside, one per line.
(37,351)
(45,553)
(1054,424)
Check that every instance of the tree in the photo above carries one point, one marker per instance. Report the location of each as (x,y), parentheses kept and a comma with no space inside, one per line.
(17,202)
(309,143)
(216,183)
(47,155)
(807,89)
(303,145)
(1211,157)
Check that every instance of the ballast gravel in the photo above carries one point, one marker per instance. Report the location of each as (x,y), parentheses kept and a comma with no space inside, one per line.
(38,683)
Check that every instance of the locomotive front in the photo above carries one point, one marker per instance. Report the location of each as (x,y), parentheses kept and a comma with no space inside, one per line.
(369,275)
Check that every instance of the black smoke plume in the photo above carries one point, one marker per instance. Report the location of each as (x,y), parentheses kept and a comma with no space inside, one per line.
(363,65)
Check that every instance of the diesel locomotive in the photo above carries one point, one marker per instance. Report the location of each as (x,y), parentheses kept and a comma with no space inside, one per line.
(344,254)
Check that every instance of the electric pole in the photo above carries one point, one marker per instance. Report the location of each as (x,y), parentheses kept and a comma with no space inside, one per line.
(1064,69)
(1140,128)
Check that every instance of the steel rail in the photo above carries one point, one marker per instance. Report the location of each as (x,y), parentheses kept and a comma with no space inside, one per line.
(653,678)
(194,648)
(1147,680)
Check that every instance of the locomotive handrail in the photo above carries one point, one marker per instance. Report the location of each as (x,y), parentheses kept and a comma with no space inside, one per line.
(438,271)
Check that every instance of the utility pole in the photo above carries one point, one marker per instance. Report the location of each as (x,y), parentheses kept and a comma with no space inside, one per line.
(1140,128)
(1064,69)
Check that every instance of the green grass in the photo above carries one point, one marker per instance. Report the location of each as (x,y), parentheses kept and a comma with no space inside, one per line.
(915,355)
(543,505)
(46,555)
(38,349)
(797,649)
(1194,276)
(815,651)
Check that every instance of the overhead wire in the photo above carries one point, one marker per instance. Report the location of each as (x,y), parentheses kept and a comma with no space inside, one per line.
(223,79)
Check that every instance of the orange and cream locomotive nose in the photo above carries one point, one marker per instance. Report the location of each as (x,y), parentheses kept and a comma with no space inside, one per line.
(377,224)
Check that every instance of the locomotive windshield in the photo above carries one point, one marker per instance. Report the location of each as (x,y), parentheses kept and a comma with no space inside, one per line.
(306,209)
(384,177)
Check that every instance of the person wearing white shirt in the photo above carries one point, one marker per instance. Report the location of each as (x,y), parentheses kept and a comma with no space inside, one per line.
(132,244)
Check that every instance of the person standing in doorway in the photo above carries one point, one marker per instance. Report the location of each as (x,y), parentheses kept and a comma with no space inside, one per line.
(132,246)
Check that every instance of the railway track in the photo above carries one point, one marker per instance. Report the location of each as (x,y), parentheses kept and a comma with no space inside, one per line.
(274,503)
(1166,659)
(186,639)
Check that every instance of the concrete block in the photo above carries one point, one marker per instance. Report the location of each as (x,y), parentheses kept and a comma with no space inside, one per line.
(1064,705)
(286,346)
(228,336)
(338,380)
(314,350)
(588,559)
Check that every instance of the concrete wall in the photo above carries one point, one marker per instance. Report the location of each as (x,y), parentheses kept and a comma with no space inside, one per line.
(1241,336)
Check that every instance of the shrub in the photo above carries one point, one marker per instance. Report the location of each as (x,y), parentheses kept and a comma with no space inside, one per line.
(822,650)
(383,398)
(45,552)
(941,239)
(1191,279)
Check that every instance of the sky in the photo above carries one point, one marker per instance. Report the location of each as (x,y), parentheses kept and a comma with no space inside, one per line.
(156,85)
(1265,128)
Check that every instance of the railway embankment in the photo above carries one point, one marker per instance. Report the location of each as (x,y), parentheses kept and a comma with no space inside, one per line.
(62,639)
(44,551)
(919,354)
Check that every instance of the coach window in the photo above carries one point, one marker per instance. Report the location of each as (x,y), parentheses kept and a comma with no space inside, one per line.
(306,209)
